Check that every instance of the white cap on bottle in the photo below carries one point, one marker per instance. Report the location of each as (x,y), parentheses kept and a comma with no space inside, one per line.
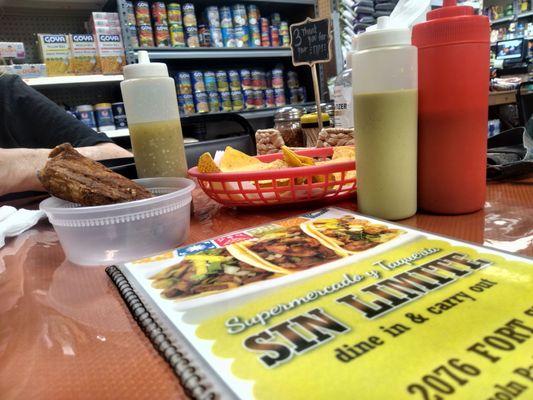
(144,68)
(384,36)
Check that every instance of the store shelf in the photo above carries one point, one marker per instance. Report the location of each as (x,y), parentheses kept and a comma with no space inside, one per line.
(157,53)
(501,20)
(251,114)
(525,14)
(117,133)
(73,80)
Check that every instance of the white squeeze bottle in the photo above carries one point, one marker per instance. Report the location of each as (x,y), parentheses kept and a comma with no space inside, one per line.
(385,114)
(153,118)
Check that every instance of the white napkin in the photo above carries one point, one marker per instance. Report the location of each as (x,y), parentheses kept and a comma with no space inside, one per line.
(13,222)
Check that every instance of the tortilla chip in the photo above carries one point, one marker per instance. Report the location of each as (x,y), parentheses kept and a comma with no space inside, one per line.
(343,153)
(206,164)
(276,164)
(235,160)
(295,160)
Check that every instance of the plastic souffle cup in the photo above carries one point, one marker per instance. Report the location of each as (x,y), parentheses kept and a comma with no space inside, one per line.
(125,231)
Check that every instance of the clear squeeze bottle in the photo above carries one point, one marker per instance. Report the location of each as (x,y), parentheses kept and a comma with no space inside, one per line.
(153,117)
(385,114)
(343,93)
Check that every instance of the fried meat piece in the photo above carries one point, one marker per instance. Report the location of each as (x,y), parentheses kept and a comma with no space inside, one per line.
(78,179)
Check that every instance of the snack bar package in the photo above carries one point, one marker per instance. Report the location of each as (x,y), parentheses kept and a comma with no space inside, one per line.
(110,53)
(55,53)
(12,50)
(83,55)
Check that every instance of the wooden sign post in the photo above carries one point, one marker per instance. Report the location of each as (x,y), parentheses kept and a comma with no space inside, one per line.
(311,45)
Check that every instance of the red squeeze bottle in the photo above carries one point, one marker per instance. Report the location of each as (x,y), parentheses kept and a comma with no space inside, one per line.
(453,92)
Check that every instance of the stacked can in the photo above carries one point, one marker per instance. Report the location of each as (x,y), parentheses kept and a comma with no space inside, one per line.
(253,25)
(132,27)
(274,36)
(269,97)
(275,18)
(265,32)
(277,78)
(258,79)
(279,97)
(234,80)
(214,101)
(119,115)
(249,103)
(246,78)
(144,25)
(240,24)
(177,36)
(159,13)
(210,82)
(284,34)
(226,27)
(201,101)
(292,80)
(189,22)
(162,36)
(183,83)
(146,36)
(237,100)
(212,17)
(204,35)
(225,101)
(259,98)
(222,81)
(186,104)
(142,13)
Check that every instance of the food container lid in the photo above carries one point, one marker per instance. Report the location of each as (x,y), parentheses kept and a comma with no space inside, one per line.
(288,114)
(313,118)
(84,107)
(102,105)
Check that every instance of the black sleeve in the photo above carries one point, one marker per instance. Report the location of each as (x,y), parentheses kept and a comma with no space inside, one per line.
(29,119)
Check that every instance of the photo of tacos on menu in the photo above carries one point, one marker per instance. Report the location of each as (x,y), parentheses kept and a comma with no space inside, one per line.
(332,304)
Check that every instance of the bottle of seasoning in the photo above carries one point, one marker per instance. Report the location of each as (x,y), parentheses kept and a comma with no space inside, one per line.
(311,129)
(153,118)
(287,122)
(453,59)
(385,100)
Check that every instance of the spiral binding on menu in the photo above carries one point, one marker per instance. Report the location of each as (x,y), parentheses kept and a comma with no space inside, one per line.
(186,373)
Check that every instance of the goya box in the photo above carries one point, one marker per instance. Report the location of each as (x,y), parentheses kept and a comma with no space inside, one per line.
(83,55)
(110,53)
(55,53)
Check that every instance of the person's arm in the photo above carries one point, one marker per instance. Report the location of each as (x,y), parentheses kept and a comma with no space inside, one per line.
(18,167)
(28,119)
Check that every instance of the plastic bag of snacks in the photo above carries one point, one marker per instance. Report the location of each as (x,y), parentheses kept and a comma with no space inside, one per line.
(268,141)
(331,137)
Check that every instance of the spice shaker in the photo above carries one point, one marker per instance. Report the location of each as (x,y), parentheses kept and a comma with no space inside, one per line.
(287,122)
(311,129)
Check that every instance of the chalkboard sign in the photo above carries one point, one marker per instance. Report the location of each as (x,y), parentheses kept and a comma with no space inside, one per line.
(311,41)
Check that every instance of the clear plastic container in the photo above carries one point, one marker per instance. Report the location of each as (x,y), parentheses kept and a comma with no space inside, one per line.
(126,231)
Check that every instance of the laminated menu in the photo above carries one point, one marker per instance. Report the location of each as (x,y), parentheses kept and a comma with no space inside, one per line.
(333,304)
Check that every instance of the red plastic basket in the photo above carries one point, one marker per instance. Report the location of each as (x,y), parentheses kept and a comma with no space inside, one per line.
(282,186)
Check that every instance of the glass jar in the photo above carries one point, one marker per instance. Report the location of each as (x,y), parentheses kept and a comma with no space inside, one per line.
(287,122)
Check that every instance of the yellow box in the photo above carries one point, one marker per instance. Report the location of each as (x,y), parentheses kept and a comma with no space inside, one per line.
(110,53)
(83,55)
(55,53)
